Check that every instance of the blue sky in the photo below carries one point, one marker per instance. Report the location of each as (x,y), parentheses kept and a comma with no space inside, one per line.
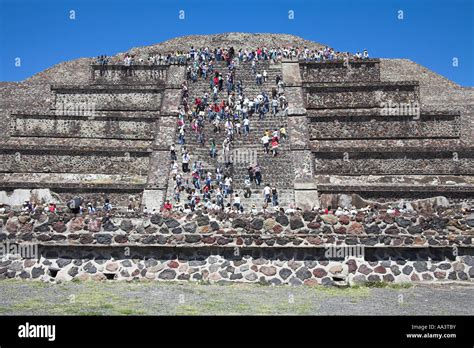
(431,33)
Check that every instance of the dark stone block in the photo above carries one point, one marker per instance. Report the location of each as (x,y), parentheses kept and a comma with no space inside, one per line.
(167,274)
(402,222)
(239,223)
(373,278)
(156,219)
(90,268)
(149,240)
(36,272)
(296,223)
(282,220)
(203,220)
(192,238)
(103,238)
(420,266)
(86,238)
(73,271)
(190,227)
(407,270)
(121,238)
(462,275)
(63,262)
(171,223)
(309,215)
(109,227)
(126,225)
(326,281)
(257,224)
(177,230)
(416,229)
(303,273)
(275,281)
(285,273)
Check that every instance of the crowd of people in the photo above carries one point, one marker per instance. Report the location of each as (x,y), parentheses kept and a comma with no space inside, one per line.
(230,116)
(273,54)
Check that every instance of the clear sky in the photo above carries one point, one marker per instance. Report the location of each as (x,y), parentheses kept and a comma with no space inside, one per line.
(433,33)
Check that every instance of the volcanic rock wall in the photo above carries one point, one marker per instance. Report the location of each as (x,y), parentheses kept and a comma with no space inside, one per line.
(298,248)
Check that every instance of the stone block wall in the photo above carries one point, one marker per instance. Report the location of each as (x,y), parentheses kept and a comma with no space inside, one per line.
(338,71)
(404,163)
(277,249)
(360,95)
(38,161)
(105,127)
(376,127)
(133,98)
(126,75)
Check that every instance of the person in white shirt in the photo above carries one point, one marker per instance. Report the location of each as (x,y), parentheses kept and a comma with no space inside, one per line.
(246,126)
(237,201)
(266,193)
(185,162)
(227,185)
(265,141)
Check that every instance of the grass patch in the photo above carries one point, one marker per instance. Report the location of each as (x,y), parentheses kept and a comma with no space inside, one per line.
(387,285)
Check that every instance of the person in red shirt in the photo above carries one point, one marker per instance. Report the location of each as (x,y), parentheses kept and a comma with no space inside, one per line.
(168,206)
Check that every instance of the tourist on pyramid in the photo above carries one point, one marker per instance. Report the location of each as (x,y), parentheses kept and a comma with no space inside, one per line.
(248,191)
(257,174)
(227,186)
(282,133)
(173,152)
(213,149)
(185,162)
(274,106)
(107,205)
(236,200)
(246,126)
(267,194)
(274,197)
(274,146)
(177,194)
(265,142)
(167,206)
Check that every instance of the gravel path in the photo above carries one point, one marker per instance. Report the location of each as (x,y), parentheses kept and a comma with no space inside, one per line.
(153,298)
